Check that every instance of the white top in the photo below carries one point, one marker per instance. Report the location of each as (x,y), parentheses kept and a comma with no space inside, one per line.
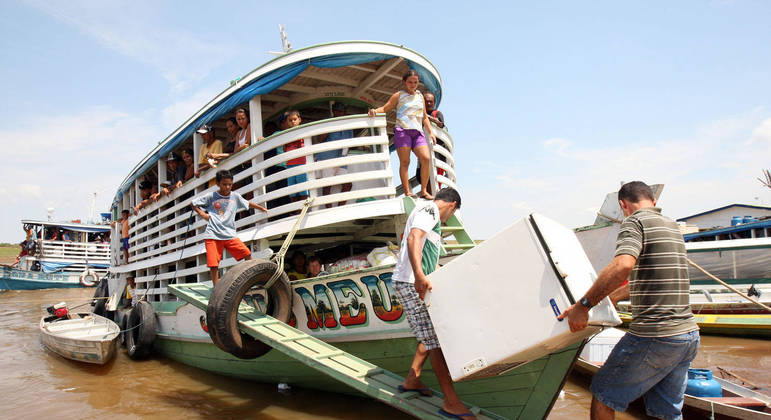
(425,217)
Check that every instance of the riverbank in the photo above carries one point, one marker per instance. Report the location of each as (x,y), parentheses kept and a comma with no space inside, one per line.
(8,253)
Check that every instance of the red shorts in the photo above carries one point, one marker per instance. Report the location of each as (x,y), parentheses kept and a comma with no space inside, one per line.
(214,248)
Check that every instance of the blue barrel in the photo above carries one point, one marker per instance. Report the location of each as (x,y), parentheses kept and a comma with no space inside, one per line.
(747,219)
(736,220)
(701,384)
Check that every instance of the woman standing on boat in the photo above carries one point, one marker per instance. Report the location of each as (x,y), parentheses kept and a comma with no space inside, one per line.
(411,117)
(244,135)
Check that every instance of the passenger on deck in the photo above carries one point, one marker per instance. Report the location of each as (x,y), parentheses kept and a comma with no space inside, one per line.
(124,233)
(293,120)
(219,209)
(244,135)
(211,145)
(187,158)
(338,110)
(314,267)
(146,190)
(411,118)
(175,173)
(436,117)
(299,271)
(230,147)
(419,257)
(22,253)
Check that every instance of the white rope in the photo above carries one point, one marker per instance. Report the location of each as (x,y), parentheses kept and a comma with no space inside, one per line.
(278,258)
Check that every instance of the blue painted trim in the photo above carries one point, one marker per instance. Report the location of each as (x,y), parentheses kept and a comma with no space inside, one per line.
(733,229)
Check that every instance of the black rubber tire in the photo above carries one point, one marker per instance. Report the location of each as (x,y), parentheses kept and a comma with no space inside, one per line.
(139,340)
(227,295)
(123,323)
(102,291)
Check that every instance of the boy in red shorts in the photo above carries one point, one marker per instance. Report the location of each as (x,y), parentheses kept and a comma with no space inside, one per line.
(219,208)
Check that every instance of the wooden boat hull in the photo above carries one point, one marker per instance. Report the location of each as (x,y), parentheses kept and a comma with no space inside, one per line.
(749,326)
(15,279)
(90,340)
(698,407)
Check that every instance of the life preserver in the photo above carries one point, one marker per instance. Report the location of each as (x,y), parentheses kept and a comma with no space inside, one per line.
(223,305)
(140,330)
(89,278)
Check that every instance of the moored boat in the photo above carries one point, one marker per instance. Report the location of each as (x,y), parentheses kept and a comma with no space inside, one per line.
(59,255)
(750,326)
(354,307)
(82,337)
(735,402)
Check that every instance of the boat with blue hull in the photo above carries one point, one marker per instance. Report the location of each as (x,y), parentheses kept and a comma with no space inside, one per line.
(59,255)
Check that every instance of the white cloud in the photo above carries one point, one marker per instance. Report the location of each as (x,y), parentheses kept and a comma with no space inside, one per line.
(134,30)
(717,165)
(62,160)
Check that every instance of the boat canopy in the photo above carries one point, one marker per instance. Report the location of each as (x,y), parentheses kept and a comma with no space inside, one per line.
(75,227)
(278,72)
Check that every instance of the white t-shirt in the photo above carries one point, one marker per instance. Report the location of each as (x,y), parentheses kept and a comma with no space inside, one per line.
(426,218)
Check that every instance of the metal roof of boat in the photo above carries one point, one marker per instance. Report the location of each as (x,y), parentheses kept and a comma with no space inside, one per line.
(278,72)
(747,206)
(83,227)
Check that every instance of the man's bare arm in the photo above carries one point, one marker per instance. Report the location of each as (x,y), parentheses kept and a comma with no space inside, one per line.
(415,253)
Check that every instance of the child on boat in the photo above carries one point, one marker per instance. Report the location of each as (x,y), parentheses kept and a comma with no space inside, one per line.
(124,233)
(293,120)
(411,117)
(219,208)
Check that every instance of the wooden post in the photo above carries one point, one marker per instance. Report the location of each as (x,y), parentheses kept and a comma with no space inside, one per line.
(197,143)
(255,123)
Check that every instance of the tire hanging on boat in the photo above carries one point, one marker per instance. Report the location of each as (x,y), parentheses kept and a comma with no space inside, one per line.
(100,297)
(140,330)
(89,278)
(223,305)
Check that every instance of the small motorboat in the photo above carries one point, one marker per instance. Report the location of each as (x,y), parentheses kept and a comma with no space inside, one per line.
(734,402)
(83,337)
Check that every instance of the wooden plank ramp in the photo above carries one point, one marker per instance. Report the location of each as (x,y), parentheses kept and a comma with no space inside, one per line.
(357,373)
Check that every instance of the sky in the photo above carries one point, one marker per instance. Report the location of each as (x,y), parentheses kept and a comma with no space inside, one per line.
(551,104)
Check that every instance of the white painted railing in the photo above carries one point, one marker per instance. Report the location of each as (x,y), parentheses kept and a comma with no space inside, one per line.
(78,251)
(162,227)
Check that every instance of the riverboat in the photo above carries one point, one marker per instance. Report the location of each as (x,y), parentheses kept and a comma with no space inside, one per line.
(356,310)
(739,255)
(59,255)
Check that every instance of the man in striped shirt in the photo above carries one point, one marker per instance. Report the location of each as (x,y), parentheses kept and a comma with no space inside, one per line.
(652,359)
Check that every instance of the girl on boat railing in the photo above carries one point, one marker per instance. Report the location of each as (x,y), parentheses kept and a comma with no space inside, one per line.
(411,117)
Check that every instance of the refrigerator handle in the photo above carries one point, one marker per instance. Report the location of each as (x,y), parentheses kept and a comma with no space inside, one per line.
(557,271)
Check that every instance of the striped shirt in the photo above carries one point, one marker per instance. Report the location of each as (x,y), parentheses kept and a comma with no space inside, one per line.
(659,284)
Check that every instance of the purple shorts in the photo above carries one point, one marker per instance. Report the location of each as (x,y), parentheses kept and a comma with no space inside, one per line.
(408,138)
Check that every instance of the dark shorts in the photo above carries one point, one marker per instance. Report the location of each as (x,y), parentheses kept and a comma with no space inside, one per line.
(125,243)
(656,368)
(297,179)
(409,138)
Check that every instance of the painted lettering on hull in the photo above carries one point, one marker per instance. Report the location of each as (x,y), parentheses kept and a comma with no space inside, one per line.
(348,294)
(384,301)
(318,307)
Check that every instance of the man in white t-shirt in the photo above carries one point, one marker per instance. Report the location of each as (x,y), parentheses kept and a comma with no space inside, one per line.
(418,257)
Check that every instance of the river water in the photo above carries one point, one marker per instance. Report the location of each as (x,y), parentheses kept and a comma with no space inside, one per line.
(40,384)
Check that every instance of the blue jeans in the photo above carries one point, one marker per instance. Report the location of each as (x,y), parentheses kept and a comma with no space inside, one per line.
(656,368)
(297,179)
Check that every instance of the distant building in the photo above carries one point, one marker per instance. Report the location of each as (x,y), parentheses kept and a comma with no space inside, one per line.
(722,216)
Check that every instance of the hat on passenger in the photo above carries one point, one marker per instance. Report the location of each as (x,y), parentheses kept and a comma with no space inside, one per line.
(145,185)
(172,156)
(204,129)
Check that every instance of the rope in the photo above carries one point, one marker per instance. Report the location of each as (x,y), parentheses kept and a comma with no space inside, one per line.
(278,258)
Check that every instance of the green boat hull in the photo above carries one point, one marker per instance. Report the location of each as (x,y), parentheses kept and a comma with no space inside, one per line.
(527,392)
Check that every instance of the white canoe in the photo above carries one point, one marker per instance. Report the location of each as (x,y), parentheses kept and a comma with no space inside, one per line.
(84,338)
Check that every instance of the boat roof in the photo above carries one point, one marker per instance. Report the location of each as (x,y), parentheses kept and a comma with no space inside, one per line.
(79,227)
(726,230)
(747,206)
(370,70)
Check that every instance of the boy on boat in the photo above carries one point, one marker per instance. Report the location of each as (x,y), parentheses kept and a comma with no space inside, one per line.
(652,359)
(219,208)
(418,257)
(293,120)
(124,233)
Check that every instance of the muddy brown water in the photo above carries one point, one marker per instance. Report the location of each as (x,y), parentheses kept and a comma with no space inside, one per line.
(39,384)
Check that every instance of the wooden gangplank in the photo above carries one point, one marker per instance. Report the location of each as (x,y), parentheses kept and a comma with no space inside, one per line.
(357,373)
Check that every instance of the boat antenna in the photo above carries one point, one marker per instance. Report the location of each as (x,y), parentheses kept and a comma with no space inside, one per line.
(50,212)
(286,46)
(91,207)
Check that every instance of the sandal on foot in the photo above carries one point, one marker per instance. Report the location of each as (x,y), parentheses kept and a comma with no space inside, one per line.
(454,416)
(426,196)
(426,392)
(411,195)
